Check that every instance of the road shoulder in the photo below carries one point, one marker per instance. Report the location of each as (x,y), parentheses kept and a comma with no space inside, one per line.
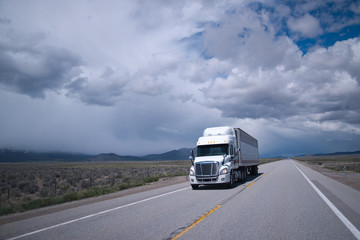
(349,178)
(345,198)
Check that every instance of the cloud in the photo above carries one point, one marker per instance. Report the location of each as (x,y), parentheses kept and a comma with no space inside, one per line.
(156,73)
(307,26)
(251,95)
(154,79)
(203,70)
(30,67)
(102,88)
(321,85)
(248,38)
(5,21)
(343,56)
(269,78)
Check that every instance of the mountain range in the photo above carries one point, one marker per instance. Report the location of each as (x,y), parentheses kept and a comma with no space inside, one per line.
(9,155)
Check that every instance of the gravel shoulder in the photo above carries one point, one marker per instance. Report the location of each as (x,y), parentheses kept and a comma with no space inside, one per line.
(163,182)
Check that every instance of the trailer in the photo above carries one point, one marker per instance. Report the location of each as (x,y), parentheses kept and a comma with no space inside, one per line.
(223,155)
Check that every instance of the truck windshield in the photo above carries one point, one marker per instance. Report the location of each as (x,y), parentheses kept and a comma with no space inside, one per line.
(212,150)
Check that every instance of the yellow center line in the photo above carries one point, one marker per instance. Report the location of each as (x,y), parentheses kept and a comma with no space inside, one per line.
(196,222)
(205,215)
(250,185)
(263,175)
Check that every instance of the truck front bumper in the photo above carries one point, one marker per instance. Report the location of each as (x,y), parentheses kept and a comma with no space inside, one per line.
(221,179)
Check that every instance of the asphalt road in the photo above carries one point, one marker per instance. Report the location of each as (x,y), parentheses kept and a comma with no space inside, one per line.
(279,203)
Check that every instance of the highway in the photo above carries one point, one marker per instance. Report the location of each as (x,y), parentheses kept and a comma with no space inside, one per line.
(286,200)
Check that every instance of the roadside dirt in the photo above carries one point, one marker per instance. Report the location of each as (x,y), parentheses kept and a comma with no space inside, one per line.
(56,208)
(350,178)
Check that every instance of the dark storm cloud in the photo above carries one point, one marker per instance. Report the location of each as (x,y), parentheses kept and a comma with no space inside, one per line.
(5,21)
(102,90)
(29,67)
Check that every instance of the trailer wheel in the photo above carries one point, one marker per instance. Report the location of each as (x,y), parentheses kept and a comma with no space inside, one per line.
(194,186)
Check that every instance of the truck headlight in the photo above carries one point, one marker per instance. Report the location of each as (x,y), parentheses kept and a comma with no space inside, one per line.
(224,171)
(192,173)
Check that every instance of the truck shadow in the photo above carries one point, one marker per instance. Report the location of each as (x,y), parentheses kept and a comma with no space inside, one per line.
(249,178)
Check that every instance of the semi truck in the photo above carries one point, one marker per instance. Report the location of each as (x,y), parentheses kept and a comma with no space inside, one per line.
(223,155)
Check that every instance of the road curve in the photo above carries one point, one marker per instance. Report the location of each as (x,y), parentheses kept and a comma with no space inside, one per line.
(279,203)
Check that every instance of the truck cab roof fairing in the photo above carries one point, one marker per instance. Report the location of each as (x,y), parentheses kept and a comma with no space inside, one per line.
(219,131)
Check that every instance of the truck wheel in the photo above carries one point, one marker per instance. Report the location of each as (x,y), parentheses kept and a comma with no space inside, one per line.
(245,173)
(254,170)
(238,174)
(194,186)
(231,183)
(242,172)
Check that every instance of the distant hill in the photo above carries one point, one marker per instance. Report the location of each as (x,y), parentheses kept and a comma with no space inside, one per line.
(337,153)
(181,154)
(103,157)
(9,155)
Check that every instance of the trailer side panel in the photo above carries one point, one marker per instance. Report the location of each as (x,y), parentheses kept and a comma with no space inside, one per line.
(249,152)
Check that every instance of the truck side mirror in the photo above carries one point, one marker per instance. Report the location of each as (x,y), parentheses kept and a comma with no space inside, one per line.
(191,157)
(224,159)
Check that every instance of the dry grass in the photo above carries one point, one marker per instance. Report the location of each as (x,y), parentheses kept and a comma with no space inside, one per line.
(269,160)
(25,186)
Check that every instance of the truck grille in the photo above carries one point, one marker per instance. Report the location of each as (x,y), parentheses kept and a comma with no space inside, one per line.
(206,169)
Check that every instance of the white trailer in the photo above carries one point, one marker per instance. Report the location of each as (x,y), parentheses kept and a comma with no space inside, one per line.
(223,155)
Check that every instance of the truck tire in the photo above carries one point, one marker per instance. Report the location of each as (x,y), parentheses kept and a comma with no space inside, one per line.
(245,173)
(231,183)
(254,170)
(238,174)
(194,186)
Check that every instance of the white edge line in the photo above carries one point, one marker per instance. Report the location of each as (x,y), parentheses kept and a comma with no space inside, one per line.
(346,222)
(95,214)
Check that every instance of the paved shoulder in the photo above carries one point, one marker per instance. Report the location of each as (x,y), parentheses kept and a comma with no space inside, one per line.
(344,198)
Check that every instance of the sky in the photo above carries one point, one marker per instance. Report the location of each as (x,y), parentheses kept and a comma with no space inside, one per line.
(141,77)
